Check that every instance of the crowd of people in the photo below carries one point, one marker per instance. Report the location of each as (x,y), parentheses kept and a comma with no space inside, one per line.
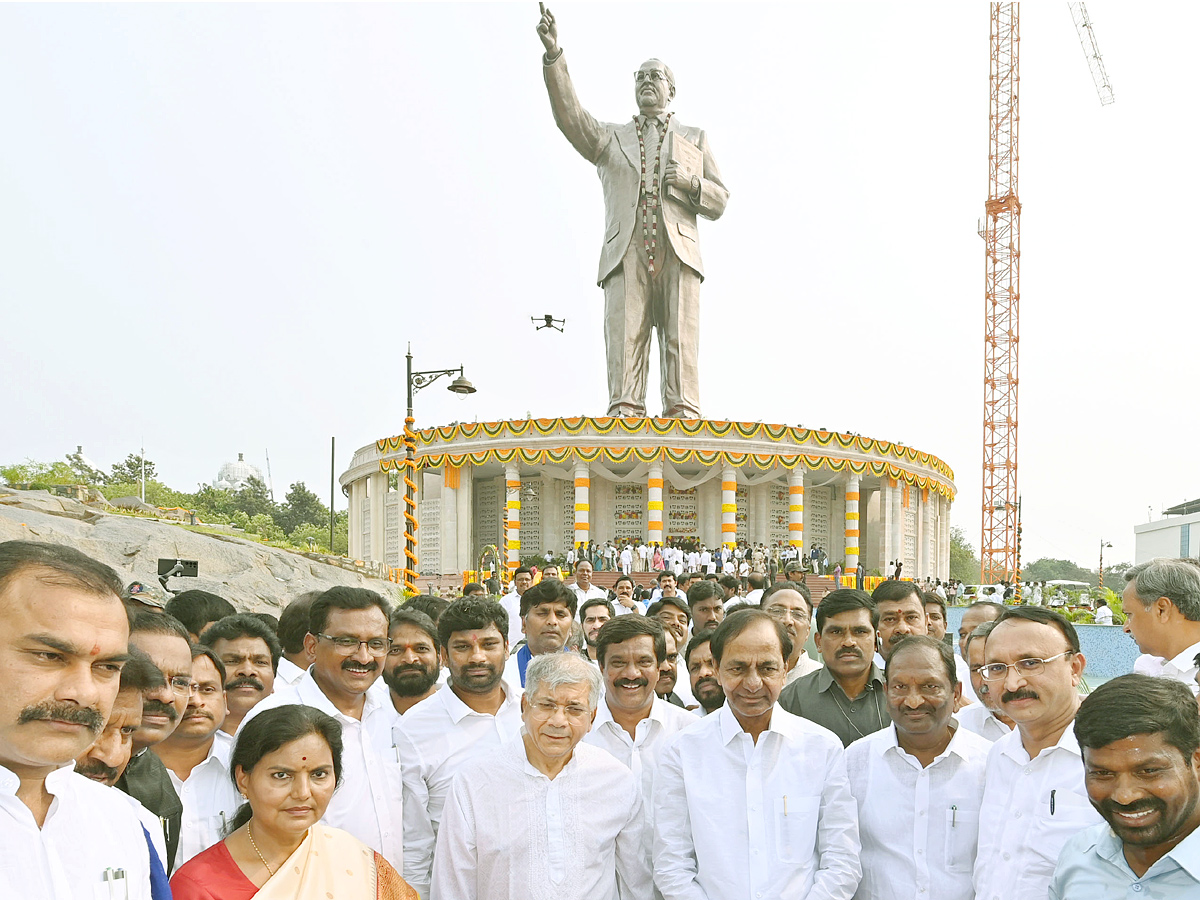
(687,748)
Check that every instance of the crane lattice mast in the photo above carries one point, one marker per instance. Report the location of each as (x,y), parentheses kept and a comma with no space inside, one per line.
(1002,237)
(1091,51)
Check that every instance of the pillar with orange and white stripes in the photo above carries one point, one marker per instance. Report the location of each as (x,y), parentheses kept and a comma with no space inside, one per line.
(583,484)
(512,494)
(729,506)
(796,507)
(654,504)
(852,530)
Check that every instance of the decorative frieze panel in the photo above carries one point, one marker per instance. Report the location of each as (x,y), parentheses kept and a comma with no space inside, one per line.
(429,537)
(629,512)
(682,518)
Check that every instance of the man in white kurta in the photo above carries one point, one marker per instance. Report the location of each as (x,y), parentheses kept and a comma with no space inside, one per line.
(918,783)
(753,802)
(545,817)
(1034,799)
(473,715)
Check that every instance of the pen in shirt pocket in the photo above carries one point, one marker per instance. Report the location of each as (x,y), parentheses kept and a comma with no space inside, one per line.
(1052,803)
(953,816)
(785,806)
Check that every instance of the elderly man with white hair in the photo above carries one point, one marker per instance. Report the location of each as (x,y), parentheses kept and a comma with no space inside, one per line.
(524,821)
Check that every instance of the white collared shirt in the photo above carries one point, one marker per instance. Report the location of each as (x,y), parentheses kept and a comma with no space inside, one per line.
(963,670)
(738,820)
(511,833)
(435,739)
(209,799)
(1182,667)
(369,801)
(512,605)
(981,720)
(1031,807)
(287,672)
(640,753)
(89,831)
(918,825)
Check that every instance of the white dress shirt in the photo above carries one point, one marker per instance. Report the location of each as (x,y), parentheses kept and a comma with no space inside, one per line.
(918,824)
(511,833)
(369,801)
(435,739)
(982,721)
(1182,667)
(963,670)
(512,605)
(739,820)
(805,665)
(209,799)
(1031,807)
(89,831)
(287,672)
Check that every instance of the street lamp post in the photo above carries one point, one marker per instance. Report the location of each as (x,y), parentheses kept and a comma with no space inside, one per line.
(415,381)
(1103,544)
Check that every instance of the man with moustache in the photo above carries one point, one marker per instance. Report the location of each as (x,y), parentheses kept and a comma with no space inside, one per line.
(668,672)
(197,759)
(250,653)
(64,638)
(592,616)
(105,760)
(522,580)
(918,782)
(935,613)
(1140,738)
(674,614)
(752,801)
(146,779)
(623,602)
(547,611)
(702,674)
(985,718)
(545,815)
(1034,796)
(474,714)
(973,616)
(412,671)
(632,723)
(348,639)
(706,605)
(847,695)
(790,603)
(900,612)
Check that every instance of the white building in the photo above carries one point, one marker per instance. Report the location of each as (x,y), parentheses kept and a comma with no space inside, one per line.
(1176,535)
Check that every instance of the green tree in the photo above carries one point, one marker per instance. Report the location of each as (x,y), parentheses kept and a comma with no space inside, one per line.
(302,507)
(33,472)
(157,493)
(320,536)
(130,471)
(264,526)
(964,565)
(341,533)
(83,471)
(212,504)
(1046,569)
(253,499)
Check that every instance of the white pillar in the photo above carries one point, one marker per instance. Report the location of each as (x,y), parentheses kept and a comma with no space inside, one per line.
(729,506)
(852,529)
(583,485)
(449,554)
(796,507)
(354,519)
(378,491)
(928,542)
(465,496)
(896,552)
(512,494)
(654,504)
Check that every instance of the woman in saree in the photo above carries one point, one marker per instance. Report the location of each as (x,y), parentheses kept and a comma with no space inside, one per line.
(287,762)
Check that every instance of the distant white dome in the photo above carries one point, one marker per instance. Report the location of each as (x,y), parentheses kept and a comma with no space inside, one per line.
(234,476)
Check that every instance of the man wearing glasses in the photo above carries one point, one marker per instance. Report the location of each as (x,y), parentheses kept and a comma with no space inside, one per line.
(1034,798)
(789,602)
(348,640)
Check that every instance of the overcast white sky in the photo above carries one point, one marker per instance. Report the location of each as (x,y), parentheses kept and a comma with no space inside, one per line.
(220,224)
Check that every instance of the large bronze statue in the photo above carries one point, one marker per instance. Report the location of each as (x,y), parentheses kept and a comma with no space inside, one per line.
(658,175)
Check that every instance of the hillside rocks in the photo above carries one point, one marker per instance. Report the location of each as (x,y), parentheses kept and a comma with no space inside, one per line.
(252,576)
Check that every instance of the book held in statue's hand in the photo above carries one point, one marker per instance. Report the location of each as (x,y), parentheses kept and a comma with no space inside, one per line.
(690,160)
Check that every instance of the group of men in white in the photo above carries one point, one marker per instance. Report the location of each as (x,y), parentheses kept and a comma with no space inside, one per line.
(484,770)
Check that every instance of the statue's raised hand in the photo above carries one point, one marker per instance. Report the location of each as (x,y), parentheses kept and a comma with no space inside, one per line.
(548,31)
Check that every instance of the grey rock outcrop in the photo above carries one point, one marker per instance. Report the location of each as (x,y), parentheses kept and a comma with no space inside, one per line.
(252,576)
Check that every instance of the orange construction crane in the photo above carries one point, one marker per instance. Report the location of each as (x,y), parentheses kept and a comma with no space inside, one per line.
(1001,232)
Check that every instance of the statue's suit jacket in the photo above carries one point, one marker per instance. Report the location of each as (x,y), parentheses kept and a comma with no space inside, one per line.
(613,149)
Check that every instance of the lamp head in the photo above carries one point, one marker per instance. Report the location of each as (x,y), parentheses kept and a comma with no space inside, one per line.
(460,385)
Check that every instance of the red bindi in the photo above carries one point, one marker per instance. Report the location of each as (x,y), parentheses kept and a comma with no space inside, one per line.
(304,759)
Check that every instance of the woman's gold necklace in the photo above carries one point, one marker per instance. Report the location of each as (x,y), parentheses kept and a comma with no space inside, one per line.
(250,834)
